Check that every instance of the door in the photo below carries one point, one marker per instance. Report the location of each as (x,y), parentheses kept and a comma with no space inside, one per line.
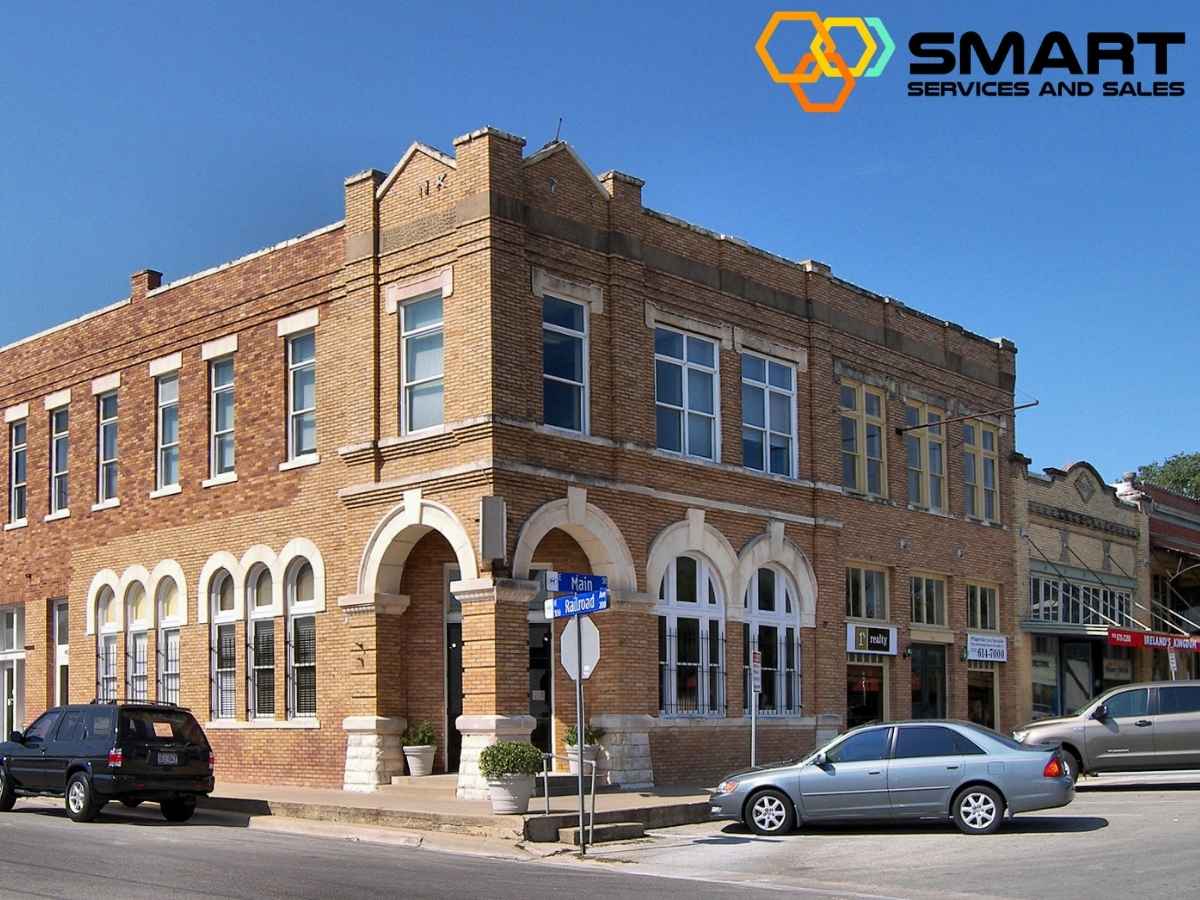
(1177,727)
(928,681)
(454,694)
(1077,675)
(852,783)
(26,764)
(926,767)
(1124,739)
(61,749)
(541,676)
(62,654)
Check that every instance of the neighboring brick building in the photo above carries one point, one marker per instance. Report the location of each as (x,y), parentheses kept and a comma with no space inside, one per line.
(712,427)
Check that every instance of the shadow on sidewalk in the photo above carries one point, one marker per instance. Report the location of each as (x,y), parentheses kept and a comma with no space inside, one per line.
(738,834)
(146,815)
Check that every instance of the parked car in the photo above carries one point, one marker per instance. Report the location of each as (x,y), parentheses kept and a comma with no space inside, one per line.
(929,769)
(1134,728)
(91,754)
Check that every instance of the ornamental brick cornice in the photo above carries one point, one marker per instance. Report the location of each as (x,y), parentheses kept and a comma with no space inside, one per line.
(1060,514)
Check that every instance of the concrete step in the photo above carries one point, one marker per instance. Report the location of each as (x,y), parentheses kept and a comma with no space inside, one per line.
(611,831)
(564,785)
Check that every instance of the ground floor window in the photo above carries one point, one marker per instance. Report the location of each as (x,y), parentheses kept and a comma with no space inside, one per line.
(929,687)
(1045,676)
(981,694)
(780,651)
(224,671)
(260,692)
(168,665)
(106,667)
(135,666)
(691,661)
(866,692)
(303,669)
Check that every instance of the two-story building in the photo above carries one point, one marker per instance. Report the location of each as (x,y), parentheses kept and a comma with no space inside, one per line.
(307,493)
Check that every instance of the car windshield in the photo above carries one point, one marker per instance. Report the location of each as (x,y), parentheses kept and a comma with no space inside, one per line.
(161,727)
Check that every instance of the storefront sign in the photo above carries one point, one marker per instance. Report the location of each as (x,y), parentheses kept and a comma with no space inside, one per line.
(1123,637)
(879,639)
(987,647)
(1118,670)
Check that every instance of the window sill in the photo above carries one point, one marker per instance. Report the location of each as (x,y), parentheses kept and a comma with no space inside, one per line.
(58,516)
(870,498)
(112,503)
(912,507)
(300,462)
(986,523)
(20,523)
(262,725)
(169,491)
(218,480)
(863,620)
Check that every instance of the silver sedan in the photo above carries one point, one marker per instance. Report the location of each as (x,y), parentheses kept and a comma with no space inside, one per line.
(901,771)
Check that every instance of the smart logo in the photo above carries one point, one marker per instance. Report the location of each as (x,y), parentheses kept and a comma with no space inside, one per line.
(823,59)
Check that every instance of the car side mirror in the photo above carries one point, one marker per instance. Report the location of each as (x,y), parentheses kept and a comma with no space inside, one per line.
(819,760)
(17,738)
(1100,713)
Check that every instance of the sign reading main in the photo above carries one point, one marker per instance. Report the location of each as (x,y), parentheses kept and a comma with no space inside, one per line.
(877,639)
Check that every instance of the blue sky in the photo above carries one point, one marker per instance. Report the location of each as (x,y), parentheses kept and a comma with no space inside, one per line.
(177,138)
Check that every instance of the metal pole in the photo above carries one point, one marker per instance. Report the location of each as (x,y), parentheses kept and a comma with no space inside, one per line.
(753,723)
(579,724)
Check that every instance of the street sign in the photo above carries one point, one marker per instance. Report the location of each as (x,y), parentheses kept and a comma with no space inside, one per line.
(756,671)
(585,645)
(574,582)
(583,604)
(1173,661)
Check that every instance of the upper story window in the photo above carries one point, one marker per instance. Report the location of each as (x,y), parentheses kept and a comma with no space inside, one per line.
(302,394)
(866,593)
(925,456)
(771,626)
(167,476)
(691,639)
(981,608)
(106,447)
(768,415)
(422,344)
(863,447)
(981,445)
(685,390)
(564,364)
(60,458)
(18,474)
(928,600)
(222,417)
(11,638)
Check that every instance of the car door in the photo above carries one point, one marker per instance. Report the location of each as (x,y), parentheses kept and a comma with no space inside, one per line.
(852,781)
(926,766)
(62,747)
(1124,738)
(1177,727)
(27,762)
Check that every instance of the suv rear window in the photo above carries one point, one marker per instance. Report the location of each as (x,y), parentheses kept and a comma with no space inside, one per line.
(161,727)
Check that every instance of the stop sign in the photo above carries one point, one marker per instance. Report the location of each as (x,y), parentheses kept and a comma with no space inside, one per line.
(569,650)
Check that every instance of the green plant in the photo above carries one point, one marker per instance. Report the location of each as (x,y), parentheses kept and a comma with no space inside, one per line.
(419,734)
(591,736)
(509,758)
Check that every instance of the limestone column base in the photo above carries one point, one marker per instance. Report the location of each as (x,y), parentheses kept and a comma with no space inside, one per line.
(373,752)
(479,732)
(624,758)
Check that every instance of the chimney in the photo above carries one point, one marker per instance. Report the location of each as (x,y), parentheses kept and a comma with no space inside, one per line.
(143,282)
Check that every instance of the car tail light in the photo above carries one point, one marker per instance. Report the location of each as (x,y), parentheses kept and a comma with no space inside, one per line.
(212,761)
(116,756)
(1054,768)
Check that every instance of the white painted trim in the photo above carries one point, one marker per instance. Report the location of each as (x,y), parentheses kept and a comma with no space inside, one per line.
(692,536)
(16,413)
(169,491)
(139,576)
(57,516)
(404,526)
(19,523)
(302,548)
(301,321)
(166,365)
(218,480)
(655,316)
(58,399)
(104,578)
(399,292)
(110,503)
(556,146)
(592,295)
(262,555)
(300,462)
(106,383)
(215,563)
(218,348)
(169,568)
(414,148)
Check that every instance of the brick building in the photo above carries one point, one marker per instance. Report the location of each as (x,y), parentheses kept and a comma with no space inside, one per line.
(258,489)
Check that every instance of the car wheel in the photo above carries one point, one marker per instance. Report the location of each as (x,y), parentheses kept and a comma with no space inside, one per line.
(131,803)
(80,800)
(978,810)
(1074,766)
(769,812)
(179,810)
(8,796)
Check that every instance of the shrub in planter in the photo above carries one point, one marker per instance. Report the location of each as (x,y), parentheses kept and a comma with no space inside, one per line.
(420,744)
(591,738)
(509,767)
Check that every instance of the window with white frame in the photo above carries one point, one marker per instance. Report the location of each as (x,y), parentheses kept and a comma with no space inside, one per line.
(768,415)
(421,349)
(925,456)
(11,639)
(928,600)
(980,464)
(564,364)
(108,625)
(770,625)
(18,474)
(137,621)
(864,449)
(691,639)
(302,394)
(167,388)
(222,415)
(260,644)
(224,645)
(685,393)
(106,447)
(866,593)
(981,608)
(62,652)
(60,460)
(170,617)
(302,641)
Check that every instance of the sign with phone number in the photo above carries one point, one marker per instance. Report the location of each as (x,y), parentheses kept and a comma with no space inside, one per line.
(987,648)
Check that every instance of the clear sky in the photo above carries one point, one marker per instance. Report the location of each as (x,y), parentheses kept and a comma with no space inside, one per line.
(180,136)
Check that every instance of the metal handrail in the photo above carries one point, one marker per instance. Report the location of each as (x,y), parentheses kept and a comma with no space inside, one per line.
(546,758)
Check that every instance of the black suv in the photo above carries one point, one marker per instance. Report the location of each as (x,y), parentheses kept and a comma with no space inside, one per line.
(115,750)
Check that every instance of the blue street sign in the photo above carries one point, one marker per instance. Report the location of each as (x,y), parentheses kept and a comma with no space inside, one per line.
(583,604)
(574,582)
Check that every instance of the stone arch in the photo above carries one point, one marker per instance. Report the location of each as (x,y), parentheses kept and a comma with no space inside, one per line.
(693,535)
(590,527)
(218,561)
(775,548)
(168,568)
(102,579)
(261,555)
(387,550)
(135,575)
(301,548)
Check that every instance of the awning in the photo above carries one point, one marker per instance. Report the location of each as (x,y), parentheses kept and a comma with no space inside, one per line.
(1153,640)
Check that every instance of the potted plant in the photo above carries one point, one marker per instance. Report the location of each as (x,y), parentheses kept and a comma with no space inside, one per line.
(419,742)
(509,767)
(591,744)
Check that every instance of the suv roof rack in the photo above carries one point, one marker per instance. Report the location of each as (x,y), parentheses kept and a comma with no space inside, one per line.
(113,701)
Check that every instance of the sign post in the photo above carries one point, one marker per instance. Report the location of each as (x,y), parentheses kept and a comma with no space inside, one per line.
(1173,661)
(755,689)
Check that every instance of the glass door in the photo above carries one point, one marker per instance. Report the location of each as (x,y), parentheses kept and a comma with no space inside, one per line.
(454,671)
(541,676)
(1077,674)
(928,681)
(62,654)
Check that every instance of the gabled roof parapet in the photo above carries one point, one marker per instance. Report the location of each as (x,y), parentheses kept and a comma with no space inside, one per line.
(413,149)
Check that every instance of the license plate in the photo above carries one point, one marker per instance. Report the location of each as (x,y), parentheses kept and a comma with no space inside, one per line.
(168,759)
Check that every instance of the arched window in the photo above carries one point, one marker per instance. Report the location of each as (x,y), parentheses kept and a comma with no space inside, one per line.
(770,626)
(260,644)
(169,600)
(301,640)
(691,639)
(137,618)
(108,621)
(223,603)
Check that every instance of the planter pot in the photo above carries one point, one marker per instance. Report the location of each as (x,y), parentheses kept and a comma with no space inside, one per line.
(589,755)
(510,794)
(420,759)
